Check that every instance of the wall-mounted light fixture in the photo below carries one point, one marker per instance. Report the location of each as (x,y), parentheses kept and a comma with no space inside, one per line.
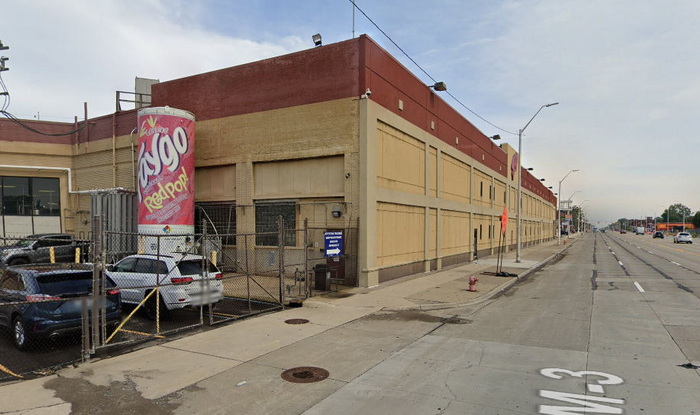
(495,137)
(317,39)
(439,86)
(337,211)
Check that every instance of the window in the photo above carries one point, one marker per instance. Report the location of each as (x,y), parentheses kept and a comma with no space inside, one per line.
(30,196)
(11,281)
(220,219)
(15,196)
(266,218)
(45,196)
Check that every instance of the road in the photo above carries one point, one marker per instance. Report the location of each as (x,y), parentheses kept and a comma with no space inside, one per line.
(608,328)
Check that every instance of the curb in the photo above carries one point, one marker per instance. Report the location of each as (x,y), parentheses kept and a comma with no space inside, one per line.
(494,293)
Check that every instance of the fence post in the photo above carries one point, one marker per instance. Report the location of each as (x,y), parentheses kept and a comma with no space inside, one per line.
(205,272)
(307,285)
(280,255)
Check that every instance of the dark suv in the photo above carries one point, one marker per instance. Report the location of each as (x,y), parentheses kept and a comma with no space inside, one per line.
(36,249)
(44,301)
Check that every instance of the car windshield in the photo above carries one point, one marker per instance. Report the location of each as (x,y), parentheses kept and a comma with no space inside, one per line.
(67,283)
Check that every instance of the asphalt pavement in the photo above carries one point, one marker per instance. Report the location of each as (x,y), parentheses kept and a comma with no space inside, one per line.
(145,380)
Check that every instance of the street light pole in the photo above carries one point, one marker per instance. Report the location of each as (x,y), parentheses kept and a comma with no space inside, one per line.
(559,208)
(520,180)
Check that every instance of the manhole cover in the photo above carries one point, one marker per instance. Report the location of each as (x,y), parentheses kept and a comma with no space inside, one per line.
(305,374)
(296,321)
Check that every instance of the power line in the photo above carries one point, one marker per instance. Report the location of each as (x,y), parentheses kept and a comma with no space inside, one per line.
(6,104)
(425,72)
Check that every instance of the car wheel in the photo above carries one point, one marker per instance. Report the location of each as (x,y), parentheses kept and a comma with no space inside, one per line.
(150,308)
(19,334)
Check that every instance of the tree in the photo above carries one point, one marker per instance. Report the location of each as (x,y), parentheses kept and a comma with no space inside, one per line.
(696,219)
(676,213)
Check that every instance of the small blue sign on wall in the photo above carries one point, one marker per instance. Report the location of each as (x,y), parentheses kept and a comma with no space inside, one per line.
(334,243)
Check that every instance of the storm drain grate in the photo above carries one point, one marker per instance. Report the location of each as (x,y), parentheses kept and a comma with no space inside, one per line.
(296,321)
(305,374)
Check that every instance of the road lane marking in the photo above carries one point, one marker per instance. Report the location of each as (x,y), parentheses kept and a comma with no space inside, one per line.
(639,287)
(621,264)
(674,262)
(595,388)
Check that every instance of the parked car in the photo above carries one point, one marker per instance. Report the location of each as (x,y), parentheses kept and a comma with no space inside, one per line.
(36,249)
(183,281)
(682,237)
(658,234)
(44,301)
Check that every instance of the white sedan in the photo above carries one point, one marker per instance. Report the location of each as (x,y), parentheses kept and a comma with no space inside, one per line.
(682,237)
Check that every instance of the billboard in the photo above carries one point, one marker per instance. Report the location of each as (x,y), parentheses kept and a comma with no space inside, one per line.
(165,172)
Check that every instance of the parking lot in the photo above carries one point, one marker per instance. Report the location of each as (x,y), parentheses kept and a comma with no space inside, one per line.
(46,356)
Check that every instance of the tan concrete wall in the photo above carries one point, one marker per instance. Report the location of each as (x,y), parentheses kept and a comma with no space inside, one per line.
(422,199)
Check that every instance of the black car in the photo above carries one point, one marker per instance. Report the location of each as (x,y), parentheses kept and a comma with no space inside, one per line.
(44,248)
(44,301)
(658,234)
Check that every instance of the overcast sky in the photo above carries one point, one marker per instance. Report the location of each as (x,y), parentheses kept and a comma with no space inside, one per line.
(625,72)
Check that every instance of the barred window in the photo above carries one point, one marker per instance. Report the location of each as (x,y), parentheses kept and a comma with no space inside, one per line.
(266,217)
(220,219)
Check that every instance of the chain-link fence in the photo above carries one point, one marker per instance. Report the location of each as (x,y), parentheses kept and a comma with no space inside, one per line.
(129,288)
(45,301)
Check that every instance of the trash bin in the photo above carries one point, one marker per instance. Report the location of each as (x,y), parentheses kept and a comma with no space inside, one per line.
(322,277)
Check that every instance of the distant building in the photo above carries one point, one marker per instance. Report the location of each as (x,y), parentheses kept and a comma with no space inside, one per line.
(342,135)
(674,226)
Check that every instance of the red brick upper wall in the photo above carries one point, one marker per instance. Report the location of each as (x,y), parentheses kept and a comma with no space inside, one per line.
(340,70)
(314,75)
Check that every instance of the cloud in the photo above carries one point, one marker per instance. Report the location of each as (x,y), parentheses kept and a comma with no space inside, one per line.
(68,53)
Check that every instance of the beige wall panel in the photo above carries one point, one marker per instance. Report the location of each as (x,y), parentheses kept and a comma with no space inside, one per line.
(399,234)
(455,179)
(30,150)
(400,161)
(303,131)
(501,195)
(455,232)
(318,212)
(215,183)
(482,181)
(300,178)
(482,223)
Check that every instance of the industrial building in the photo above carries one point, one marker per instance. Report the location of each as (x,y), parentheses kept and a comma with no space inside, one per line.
(340,135)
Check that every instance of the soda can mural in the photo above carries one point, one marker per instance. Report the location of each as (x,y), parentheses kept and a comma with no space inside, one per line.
(166,179)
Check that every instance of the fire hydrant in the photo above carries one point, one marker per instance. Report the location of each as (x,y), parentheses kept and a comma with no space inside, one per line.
(472,283)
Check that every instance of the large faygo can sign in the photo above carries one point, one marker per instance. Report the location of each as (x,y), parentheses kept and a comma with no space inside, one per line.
(165,179)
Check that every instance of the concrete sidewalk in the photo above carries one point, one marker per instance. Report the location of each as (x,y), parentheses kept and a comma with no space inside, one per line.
(144,376)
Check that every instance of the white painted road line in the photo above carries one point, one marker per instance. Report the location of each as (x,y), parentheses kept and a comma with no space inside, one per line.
(621,264)
(674,262)
(639,287)
(595,388)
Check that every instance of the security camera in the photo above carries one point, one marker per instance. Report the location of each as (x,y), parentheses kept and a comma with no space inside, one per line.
(368,93)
